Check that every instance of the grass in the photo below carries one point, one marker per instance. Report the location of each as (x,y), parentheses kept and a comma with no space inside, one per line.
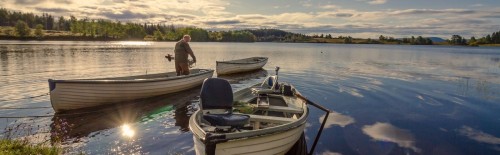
(21,147)
(496,45)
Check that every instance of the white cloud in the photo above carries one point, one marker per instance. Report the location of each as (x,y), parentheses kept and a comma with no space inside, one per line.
(377,1)
(477,5)
(327,18)
(328,6)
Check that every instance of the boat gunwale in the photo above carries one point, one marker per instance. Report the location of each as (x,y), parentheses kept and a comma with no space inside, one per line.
(94,81)
(232,61)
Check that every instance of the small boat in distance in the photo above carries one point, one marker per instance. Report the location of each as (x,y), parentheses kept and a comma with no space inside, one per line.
(268,118)
(240,65)
(84,93)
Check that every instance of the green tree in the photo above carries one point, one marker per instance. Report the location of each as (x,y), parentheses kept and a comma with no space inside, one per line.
(488,39)
(158,35)
(22,29)
(348,40)
(39,30)
(381,38)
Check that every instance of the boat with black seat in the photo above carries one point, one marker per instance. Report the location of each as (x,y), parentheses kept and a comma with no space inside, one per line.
(233,123)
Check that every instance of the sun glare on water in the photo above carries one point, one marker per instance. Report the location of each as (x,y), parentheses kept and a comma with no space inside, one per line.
(127,131)
(132,43)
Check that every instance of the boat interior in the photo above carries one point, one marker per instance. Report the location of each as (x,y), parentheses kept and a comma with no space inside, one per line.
(260,107)
(247,60)
(147,76)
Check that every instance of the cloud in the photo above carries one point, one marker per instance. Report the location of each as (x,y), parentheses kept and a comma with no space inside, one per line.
(55,10)
(335,14)
(223,22)
(328,6)
(252,17)
(28,2)
(478,136)
(127,14)
(327,18)
(432,11)
(377,1)
(389,133)
(477,5)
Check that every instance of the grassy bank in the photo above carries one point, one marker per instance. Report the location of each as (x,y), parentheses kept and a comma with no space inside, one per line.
(23,147)
(494,45)
(8,33)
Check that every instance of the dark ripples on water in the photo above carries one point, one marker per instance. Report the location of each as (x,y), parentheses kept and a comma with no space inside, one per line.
(386,99)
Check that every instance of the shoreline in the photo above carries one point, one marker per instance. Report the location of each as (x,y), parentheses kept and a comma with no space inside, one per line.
(84,39)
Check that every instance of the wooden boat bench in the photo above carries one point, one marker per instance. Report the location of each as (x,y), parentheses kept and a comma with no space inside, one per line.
(268,119)
(281,109)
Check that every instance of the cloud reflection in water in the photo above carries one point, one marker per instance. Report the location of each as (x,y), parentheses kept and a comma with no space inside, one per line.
(335,118)
(478,135)
(389,133)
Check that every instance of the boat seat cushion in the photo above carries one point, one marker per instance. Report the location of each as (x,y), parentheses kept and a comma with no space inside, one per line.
(233,120)
(216,94)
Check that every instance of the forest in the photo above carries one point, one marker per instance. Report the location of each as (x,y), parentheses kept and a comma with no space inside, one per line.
(29,26)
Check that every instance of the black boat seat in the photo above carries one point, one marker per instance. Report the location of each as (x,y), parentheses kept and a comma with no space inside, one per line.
(217,94)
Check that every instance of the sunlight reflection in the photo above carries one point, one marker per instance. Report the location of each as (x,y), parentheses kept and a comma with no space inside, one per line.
(127,131)
(132,43)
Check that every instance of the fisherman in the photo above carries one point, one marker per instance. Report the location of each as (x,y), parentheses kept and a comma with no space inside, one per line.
(182,50)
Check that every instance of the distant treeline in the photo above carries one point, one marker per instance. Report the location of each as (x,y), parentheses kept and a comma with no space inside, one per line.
(101,29)
(494,38)
(70,28)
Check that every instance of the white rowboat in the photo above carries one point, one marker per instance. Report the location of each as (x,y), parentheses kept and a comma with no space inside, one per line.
(83,93)
(240,65)
(272,129)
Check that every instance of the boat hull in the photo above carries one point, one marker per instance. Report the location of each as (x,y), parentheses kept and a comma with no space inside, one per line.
(279,143)
(76,94)
(238,66)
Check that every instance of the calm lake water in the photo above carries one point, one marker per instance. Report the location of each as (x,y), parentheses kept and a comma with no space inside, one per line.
(386,99)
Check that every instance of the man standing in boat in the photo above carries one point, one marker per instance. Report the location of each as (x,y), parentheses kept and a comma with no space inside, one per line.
(182,50)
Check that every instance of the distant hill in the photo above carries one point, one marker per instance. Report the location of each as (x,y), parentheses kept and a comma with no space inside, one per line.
(437,39)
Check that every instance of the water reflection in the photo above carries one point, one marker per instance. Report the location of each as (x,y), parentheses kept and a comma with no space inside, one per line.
(478,135)
(335,118)
(127,131)
(438,88)
(236,78)
(389,133)
(73,126)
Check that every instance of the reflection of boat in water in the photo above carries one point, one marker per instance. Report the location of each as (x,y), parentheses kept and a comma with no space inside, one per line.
(237,77)
(77,125)
(83,93)
(240,65)
(267,120)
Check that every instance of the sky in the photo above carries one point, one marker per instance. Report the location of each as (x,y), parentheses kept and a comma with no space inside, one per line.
(357,18)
